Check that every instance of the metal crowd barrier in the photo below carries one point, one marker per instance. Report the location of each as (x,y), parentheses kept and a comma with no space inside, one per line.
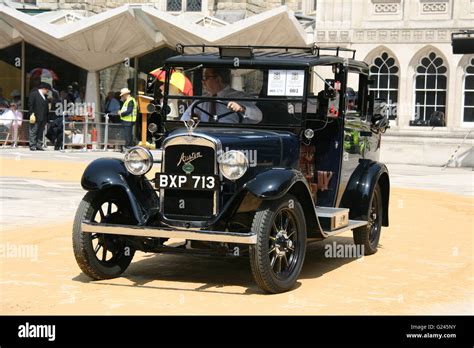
(7,133)
(78,132)
(83,134)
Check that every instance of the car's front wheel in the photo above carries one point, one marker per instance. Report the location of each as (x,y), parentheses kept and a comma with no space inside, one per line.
(277,258)
(101,256)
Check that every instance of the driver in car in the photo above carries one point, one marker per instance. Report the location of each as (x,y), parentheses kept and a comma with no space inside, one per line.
(216,82)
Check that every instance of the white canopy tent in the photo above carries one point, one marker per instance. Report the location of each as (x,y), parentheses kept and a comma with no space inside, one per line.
(105,39)
(102,40)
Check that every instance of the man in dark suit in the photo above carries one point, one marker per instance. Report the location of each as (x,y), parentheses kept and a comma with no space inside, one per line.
(38,109)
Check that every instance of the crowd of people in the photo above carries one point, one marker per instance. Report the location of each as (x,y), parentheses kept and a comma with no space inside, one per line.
(11,115)
(46,104)
(46,107)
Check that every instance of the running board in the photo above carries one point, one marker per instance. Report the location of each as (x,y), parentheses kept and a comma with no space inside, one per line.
(332,219)
(168,232)
(352,225)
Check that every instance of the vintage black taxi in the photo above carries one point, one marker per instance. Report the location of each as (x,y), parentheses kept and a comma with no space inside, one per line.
(275,147)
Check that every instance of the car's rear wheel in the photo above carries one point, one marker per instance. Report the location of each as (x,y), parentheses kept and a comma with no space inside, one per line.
(368,236)
(277,258)
(101,256)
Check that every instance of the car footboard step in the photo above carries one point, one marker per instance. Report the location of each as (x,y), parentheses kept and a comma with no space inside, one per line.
(332,218)
(351,225)
(167,232)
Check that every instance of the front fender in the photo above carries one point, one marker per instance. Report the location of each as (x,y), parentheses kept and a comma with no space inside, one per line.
(361,186)
(110,173)
(104,172)
(273,183)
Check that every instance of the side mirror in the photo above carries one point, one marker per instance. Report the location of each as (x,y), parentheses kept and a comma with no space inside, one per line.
(380,116)
(330,93)
(329,90)
(380,107)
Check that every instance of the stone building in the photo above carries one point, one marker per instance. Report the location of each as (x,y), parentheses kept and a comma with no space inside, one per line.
(408,45)
(234,8)
(103,45)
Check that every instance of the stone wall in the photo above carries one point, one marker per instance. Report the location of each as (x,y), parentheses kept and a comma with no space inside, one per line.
(250,7)
(255,6)
(93,6)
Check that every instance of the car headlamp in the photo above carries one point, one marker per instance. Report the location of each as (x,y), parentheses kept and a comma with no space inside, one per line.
(233,164)
(138,160)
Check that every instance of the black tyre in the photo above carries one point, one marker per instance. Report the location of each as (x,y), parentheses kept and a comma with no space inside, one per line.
(277,258)
(101,256)
(368,236)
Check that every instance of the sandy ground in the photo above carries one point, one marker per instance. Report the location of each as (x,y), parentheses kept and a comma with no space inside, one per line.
(424,266)
(45,169)
(42,169)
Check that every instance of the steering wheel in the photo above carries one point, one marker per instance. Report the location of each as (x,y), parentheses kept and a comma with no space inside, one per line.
(211,116)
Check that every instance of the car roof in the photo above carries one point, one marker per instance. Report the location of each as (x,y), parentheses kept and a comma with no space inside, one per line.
(262,59)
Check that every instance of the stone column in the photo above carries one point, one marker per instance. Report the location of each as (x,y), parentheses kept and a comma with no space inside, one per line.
(405,89)
(454,89)
(92,92)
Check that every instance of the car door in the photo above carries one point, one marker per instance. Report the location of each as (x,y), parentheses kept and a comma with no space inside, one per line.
(359,142)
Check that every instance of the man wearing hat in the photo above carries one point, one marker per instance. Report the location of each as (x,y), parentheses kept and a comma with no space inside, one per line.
(38,107)
(128,115)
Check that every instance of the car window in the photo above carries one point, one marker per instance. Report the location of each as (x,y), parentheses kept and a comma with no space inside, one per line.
(266,96)
(324,99)
(356,96)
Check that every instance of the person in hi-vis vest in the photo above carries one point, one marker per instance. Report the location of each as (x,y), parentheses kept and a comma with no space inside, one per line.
(128,115)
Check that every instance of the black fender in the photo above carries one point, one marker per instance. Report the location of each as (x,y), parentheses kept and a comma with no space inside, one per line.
(361,186)
(275,183)
(105,174)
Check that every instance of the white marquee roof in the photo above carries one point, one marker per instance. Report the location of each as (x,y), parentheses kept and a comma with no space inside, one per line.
(102,40)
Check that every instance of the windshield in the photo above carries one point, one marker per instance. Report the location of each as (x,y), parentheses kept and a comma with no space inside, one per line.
(249,96)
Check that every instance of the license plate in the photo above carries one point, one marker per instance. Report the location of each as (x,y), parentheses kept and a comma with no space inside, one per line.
(187,182)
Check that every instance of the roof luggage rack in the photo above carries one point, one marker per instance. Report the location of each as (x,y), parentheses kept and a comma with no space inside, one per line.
(314,50)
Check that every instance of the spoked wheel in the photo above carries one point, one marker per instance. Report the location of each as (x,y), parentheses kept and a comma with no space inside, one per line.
(101,256)
(278,256)
(368,236)
(283,240)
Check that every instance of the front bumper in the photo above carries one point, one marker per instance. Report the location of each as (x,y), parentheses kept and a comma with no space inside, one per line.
(167,232)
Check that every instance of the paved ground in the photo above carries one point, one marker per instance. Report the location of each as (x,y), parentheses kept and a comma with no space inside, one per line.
(51,180)
(29,202)
(67,156)
(454,180)
(424,265)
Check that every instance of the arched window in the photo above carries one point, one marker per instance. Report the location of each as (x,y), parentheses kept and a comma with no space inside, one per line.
(468,100)
(179,5)
(384,72)
(430,88)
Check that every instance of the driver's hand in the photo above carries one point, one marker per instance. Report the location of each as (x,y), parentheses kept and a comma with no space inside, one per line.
(235,107)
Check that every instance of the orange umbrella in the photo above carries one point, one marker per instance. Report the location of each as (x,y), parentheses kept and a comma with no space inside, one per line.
(177,79)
